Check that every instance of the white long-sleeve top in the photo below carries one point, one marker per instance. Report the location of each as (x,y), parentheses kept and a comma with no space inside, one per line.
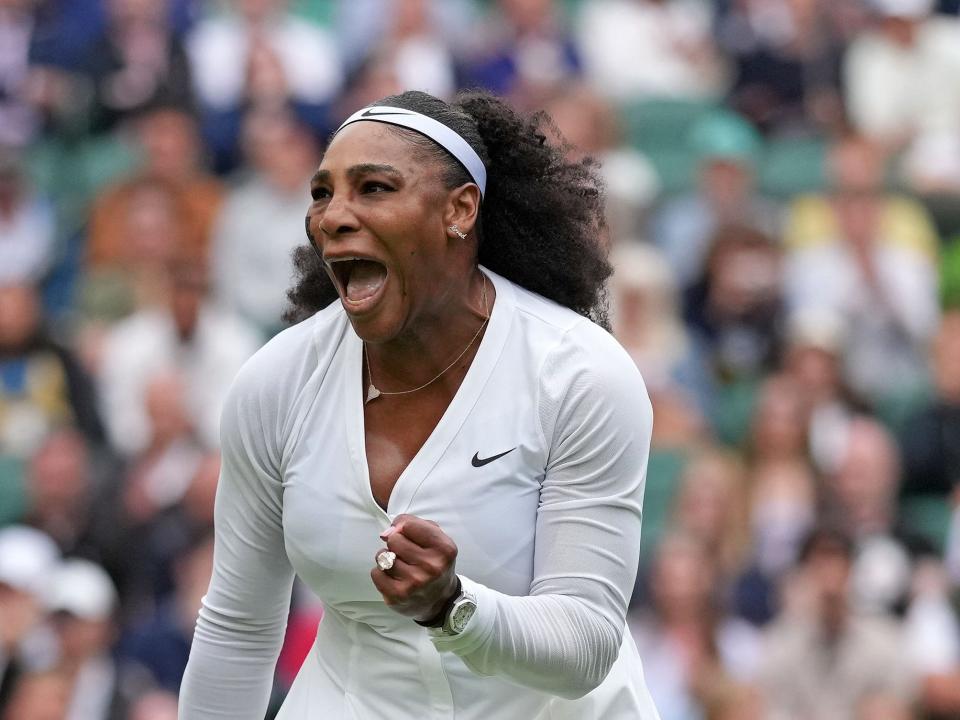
(548,534)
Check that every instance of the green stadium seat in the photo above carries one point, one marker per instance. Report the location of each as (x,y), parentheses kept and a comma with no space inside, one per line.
(792,166)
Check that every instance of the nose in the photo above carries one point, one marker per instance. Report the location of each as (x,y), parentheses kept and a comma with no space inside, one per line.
(337,217)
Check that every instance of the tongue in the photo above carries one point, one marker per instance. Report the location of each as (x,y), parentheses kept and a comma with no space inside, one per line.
(366,277)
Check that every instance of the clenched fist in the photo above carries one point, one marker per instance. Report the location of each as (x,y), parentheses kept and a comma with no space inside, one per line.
(423,576)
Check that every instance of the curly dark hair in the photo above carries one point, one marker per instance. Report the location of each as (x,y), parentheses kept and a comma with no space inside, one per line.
(541,219)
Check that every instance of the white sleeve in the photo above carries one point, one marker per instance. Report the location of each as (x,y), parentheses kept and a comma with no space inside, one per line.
(244,613)
(565,635)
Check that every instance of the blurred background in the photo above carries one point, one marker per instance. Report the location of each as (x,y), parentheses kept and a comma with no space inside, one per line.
(784,218)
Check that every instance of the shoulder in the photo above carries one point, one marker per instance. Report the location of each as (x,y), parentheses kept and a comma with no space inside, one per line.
(277,372)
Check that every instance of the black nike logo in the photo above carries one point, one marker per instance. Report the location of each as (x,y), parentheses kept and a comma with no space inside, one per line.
(477,462)
(370,113)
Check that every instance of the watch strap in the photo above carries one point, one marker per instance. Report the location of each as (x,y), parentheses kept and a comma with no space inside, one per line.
(438,620)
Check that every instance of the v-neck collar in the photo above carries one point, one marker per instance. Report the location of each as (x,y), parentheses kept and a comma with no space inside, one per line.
(429,454)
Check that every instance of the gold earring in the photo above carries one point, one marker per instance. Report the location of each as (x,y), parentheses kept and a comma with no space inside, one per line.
(454,229)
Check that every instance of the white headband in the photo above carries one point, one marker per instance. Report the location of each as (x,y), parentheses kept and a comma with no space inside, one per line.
(433,129)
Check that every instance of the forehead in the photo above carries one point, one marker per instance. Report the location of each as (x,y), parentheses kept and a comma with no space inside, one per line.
(376,143)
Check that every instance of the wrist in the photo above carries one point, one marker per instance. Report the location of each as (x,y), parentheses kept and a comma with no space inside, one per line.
(439,614)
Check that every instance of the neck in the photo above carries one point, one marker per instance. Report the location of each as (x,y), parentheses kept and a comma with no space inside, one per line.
(419,355)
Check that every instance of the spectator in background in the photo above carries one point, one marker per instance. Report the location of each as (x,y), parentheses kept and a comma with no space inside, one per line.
(527,53)
(787,59)
(160,644)
(646,321)
(869,258)
(930,440)
(189,336)
(168,530)
(261,221)
(903,76)
(82,601)
(728,149)
(126,268)
(861,494)
(18,117)
(814,361)
(589,124)
(64,490)
(415,51)
(640,49)
(42,695)
(169,139)
(27,225)
(695,656)
(27,644)
(42,386)
(160,474)
(711,506)
(137,61)
(736,309)
(822,658)
(259,54)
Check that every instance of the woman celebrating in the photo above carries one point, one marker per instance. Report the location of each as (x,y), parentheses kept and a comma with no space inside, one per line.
(452,456)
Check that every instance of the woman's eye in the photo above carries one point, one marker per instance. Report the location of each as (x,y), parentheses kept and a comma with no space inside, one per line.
(319,193)
(375,187)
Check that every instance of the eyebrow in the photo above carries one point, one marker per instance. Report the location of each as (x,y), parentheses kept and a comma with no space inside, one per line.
(355,171)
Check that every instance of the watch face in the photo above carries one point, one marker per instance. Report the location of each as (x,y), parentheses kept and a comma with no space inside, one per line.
(462,612)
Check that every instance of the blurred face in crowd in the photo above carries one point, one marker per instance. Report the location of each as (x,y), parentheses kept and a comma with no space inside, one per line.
(169,139)
(147,12)
(379,198)
(584,120)
(901,30)
(82,638)
(946,358)
(19,316)
(727,185)
(152,227)
(744,273)
(411,17)
(856,166)
(683,578)
(280,149)
(60,476)
(710,498)
(527,15)
(257,11)
(865,483)
(39,696)
(779,421)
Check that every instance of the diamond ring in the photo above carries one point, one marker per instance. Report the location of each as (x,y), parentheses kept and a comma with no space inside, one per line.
(385,559)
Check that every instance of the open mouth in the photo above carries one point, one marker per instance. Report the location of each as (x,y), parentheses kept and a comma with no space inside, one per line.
(360,281)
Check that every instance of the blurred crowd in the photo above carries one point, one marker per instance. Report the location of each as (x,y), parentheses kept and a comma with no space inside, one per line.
(783,182)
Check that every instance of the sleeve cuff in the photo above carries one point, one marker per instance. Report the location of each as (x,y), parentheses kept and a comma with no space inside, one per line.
(477,630)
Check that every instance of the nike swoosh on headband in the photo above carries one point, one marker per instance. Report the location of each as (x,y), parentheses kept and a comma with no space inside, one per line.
(370,113)
(445,137)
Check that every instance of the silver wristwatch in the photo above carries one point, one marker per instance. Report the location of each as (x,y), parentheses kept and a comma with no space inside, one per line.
(460,613)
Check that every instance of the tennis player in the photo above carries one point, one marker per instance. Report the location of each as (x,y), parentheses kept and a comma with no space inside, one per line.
(449,450)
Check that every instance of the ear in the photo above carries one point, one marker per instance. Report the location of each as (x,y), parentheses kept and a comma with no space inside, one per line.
(462,208)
